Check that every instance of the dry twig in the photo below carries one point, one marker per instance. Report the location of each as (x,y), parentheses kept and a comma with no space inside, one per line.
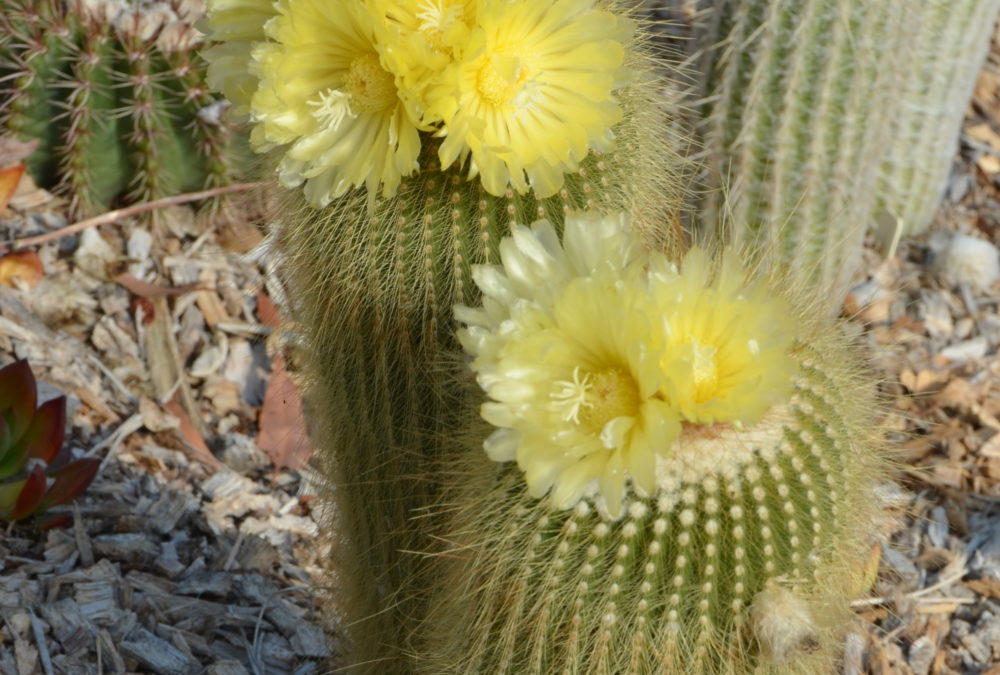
(118,214)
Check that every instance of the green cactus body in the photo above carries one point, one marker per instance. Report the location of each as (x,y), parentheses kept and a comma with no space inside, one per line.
(371,292)
(741,562)
(799,107)
(117,103)
(821,119)
(948,43)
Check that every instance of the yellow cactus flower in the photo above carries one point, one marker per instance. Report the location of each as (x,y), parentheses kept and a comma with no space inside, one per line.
(419,39)
(531,92)
(727,343)
(595,350)
(235,26)
(322,94)
(566,347)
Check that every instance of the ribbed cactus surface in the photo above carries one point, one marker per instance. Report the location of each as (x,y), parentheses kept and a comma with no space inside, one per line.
(947,46)
(372,295)
(821,119)
(742,561)
(115,95)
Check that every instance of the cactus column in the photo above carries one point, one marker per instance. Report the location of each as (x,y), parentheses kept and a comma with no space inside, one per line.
(372,279)
(821,119)
(372,296)
(943,56)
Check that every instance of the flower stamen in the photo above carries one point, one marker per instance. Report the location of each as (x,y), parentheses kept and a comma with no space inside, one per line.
(371,88)
(572,396)
(704,370)
(612,393)
(502,77)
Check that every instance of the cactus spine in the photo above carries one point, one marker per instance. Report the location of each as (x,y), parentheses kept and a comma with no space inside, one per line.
(116,98)
(819,116)
(742,561)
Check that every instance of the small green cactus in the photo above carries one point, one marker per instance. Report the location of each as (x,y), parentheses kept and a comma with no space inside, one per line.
(115,95)
(32,452)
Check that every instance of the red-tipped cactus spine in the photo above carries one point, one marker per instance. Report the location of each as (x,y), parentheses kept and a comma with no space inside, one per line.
(115,96)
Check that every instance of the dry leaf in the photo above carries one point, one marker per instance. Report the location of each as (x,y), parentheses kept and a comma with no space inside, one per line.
(9,178)
(959,394)
(199,450)
(282,425)
(991,448)
(156,418)
(23,265)
(984,133)
(146,289)
(267,313)
(924,381)
(989,164)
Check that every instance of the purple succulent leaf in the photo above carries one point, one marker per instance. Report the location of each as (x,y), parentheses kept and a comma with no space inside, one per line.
(61,459)
(71,480)
(44,436)
(18,396)
(8,496)
(53,520)
(31,494)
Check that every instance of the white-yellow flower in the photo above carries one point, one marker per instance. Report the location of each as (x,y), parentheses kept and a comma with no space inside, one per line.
(235,26)
(727,340)
(531,92)
(594,352)
(566,346)
(419,39)
(323,96)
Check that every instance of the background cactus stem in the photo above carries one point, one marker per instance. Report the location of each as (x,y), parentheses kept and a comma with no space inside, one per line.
(115,95)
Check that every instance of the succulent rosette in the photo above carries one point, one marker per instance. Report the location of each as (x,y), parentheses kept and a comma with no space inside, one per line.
(35,468)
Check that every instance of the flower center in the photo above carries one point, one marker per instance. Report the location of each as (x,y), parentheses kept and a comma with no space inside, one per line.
(704,371)
(597,398)
(502,77)
(438,17)
(371,88)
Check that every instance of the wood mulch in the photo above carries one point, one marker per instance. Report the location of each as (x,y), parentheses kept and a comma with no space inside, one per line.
(190,553)
(935,607)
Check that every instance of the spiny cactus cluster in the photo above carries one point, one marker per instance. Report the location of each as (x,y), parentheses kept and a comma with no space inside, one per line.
(670,483)
(743,559)
(35,468)
(822,120)
(115,94)
(695,463)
